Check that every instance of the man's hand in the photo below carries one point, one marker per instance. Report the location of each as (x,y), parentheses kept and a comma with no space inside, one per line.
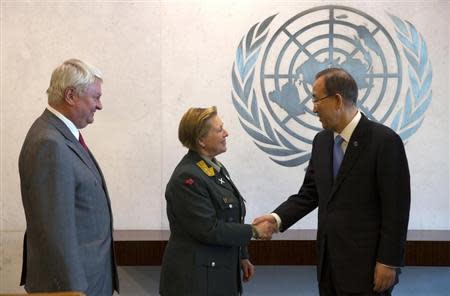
(384,277)
(264,230)
(268,218)
(265,226)
(248,270)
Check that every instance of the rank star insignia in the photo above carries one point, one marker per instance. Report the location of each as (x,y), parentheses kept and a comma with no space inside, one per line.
(221,181)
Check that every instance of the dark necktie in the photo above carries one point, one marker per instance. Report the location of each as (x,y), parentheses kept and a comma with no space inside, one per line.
(81,140)
(338,154)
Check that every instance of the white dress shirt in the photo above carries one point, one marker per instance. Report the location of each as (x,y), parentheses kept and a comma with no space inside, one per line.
(66,121)
(346,134)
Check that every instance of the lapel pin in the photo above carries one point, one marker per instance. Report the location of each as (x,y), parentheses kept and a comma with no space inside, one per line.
(355,143)
(221,181)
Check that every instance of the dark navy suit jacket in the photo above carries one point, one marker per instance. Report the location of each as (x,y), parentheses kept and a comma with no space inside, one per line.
(363,213)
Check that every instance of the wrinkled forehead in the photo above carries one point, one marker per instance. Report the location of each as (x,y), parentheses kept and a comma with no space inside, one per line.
(94,88)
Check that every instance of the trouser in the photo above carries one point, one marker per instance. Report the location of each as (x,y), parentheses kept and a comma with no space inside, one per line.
(329,287)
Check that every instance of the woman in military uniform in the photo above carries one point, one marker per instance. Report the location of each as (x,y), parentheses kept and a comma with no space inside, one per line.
(207,248)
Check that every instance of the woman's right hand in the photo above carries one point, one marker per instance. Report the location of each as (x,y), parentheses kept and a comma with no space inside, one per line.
(266,228)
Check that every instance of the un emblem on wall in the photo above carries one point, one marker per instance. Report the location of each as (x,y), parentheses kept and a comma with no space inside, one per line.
(272,78)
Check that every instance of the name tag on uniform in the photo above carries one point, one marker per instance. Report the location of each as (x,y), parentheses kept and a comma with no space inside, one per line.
(227,200)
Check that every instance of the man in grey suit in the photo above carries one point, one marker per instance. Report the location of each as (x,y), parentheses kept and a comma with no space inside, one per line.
(68,244)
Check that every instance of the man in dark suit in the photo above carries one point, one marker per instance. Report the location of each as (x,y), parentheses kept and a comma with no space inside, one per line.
(358,177)
(68,244)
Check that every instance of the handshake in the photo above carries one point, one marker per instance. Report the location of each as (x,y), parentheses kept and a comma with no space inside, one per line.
(264,227)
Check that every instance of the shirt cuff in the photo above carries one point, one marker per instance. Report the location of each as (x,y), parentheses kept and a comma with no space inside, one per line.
(278,219)
(389,266)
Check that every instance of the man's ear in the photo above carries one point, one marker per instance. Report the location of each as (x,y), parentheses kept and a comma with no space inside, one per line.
(340,101)
(69,95)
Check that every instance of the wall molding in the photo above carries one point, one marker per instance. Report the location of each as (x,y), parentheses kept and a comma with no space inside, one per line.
(294,247)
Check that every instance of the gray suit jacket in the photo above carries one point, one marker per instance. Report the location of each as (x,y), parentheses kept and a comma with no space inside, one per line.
(68,243)
(208,238)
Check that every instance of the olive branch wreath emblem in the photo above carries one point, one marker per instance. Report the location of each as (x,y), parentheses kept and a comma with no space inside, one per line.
(418,96)
(407,119)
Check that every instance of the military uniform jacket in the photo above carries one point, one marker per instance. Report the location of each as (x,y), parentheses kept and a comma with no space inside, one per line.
(208,238)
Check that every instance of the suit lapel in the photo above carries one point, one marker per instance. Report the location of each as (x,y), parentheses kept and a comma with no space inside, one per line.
(86,156)
(73,143)
(105,189)
(228,182)
(98,169)
(322,163)
(356,145)
(222,181)
(327,163)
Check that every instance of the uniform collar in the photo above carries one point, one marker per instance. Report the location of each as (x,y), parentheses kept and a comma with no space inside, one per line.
(214,163)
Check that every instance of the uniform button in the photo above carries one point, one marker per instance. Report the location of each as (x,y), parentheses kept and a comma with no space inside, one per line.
(230,206)
(213,264)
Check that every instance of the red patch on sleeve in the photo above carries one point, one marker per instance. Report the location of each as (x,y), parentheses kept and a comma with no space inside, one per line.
(189,181)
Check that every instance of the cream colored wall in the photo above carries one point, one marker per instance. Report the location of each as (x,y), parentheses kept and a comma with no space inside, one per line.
(160,58)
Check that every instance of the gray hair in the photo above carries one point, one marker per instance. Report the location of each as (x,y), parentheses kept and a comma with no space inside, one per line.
(72,73)
(337,80)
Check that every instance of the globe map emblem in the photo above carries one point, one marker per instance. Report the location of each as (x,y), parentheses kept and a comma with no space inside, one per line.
(274,100)
(330,36)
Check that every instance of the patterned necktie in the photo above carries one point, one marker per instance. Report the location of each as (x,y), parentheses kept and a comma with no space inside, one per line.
(81,140)
(338,154)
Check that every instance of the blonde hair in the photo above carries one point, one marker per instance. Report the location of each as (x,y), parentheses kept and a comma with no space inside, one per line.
(72,73)
(194,125)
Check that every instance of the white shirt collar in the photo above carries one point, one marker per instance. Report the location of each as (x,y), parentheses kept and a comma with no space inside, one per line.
(347,132)
(73,129)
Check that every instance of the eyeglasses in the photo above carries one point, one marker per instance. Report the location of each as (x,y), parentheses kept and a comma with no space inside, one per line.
(316,101)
